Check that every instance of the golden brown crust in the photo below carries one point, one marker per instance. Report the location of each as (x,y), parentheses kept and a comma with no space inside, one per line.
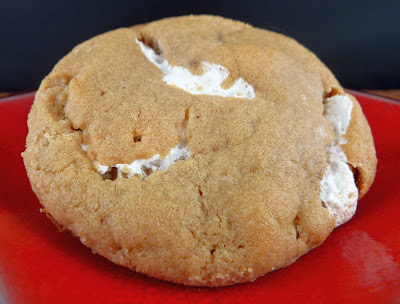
(246,201)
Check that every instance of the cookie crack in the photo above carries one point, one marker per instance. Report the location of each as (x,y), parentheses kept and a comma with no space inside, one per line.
(339,193)
(145,167)
(59,98)
(209,83)
(297,227)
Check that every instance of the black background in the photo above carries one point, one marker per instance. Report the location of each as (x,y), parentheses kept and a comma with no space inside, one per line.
(358,40)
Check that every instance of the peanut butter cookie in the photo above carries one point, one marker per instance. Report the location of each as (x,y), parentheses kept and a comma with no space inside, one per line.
(198,149)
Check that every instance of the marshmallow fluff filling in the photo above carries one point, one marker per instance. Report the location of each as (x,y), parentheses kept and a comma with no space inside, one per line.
(209,83)
(338,189)
(145,167)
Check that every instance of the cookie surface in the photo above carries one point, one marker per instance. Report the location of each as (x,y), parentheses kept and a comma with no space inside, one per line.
(241,194)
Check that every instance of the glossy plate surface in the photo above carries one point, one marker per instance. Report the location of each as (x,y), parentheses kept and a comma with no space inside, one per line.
(358,263)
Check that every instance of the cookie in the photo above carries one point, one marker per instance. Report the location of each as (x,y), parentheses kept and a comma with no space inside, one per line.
(198,149)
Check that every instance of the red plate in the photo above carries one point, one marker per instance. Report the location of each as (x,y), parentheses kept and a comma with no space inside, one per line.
(359,262)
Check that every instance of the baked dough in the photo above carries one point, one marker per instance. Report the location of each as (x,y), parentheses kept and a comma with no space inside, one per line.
(244,200)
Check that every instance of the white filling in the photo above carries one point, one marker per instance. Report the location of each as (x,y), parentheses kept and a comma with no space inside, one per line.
(209,83)
(145,167)
(102,169)
(339,192)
